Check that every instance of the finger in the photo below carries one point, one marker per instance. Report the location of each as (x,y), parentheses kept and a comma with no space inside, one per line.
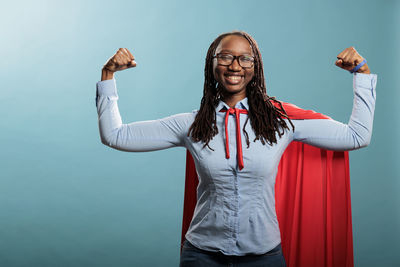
(123,52)
(344,53)
(132,57)
(341,54)
(126,58)
(119,59)
(126,53)
(339,63)
(356,57)
(122,55)
(119,52)
(131,64)
(351,56)
(345,56)
(114,60)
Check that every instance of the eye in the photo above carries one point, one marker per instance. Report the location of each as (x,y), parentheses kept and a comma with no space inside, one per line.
(246,59)
(225,56)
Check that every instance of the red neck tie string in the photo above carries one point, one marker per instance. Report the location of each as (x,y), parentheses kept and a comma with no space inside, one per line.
(237,112)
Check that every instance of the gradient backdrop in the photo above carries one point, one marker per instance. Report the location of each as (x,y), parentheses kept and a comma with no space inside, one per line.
(68,200)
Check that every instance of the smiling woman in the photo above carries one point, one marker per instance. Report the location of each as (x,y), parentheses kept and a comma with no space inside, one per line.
(266,119)
(234,220)
(233,68)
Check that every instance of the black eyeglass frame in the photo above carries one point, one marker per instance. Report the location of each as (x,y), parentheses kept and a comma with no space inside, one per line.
(234,58)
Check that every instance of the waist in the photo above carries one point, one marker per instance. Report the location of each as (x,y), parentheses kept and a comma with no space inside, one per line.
(190,246)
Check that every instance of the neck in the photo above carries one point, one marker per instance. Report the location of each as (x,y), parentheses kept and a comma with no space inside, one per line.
(232,100)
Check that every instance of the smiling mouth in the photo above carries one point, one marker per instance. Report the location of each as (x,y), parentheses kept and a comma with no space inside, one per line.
(233,79)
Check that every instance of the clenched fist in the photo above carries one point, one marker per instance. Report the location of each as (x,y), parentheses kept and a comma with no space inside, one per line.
(122,60)
(349,58)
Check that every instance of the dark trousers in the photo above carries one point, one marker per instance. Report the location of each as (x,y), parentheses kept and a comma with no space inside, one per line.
(195,257)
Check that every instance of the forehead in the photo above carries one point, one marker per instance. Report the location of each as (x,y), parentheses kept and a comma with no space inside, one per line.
(234,44)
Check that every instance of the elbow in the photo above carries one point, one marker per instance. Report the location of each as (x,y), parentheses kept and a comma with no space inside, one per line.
(107,140)
(110,137)
(104,141)
(366,142)
(360,135)
(114,138)
(363,142)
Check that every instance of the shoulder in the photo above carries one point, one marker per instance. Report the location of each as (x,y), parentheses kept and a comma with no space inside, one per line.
(181,120)
(186,116)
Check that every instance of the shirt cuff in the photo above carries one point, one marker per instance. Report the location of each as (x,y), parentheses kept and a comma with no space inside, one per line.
(107,88)
(363,80)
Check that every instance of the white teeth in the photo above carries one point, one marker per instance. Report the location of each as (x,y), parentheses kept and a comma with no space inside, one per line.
(232,79)
(236,78)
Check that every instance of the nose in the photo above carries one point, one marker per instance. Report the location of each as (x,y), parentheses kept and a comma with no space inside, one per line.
(235,65)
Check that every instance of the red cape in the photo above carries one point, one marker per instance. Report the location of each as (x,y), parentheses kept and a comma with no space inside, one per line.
(312,198)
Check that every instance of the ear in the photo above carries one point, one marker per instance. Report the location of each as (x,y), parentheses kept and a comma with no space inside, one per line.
(214,74)
(214,65)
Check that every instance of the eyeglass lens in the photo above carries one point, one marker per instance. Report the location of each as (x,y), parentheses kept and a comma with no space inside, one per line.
(227,59)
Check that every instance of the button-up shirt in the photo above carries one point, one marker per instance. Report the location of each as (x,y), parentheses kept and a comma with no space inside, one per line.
(235,211)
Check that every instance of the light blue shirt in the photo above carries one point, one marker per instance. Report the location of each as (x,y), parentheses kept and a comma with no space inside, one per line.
(235,212)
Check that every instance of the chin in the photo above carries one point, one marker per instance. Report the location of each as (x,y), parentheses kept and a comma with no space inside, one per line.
(232,89)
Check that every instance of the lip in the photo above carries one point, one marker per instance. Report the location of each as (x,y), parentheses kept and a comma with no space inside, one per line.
(233,74)
(233,81)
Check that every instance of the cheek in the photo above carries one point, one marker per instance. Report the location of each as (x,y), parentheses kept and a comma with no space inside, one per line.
(249,76)
(217,74)
(214,71)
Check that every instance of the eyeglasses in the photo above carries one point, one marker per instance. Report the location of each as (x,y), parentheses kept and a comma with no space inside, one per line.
(227,59)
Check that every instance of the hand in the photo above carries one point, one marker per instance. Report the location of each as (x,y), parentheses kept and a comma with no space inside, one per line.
(122,60)
(349,58)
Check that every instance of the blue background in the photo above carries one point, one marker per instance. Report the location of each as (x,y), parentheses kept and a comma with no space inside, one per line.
(68,200)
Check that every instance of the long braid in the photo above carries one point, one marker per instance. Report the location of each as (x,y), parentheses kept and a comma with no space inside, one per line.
(266,119)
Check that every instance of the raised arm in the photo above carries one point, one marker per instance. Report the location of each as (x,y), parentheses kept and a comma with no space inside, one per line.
(334,135)
(137,136)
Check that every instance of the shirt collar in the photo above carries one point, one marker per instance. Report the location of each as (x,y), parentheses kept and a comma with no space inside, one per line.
(242,104)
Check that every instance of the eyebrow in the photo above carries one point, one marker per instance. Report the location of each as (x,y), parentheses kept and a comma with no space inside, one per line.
(227,50)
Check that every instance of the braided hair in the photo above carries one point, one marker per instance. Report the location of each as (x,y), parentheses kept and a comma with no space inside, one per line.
(266,119)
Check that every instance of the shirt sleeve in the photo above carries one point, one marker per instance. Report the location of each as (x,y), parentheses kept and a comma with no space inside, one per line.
(138,136)
(334,135)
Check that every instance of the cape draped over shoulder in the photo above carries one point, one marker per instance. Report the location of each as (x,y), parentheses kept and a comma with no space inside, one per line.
(312,199)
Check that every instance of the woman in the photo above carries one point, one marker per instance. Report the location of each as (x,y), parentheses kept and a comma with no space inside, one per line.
(234,221)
